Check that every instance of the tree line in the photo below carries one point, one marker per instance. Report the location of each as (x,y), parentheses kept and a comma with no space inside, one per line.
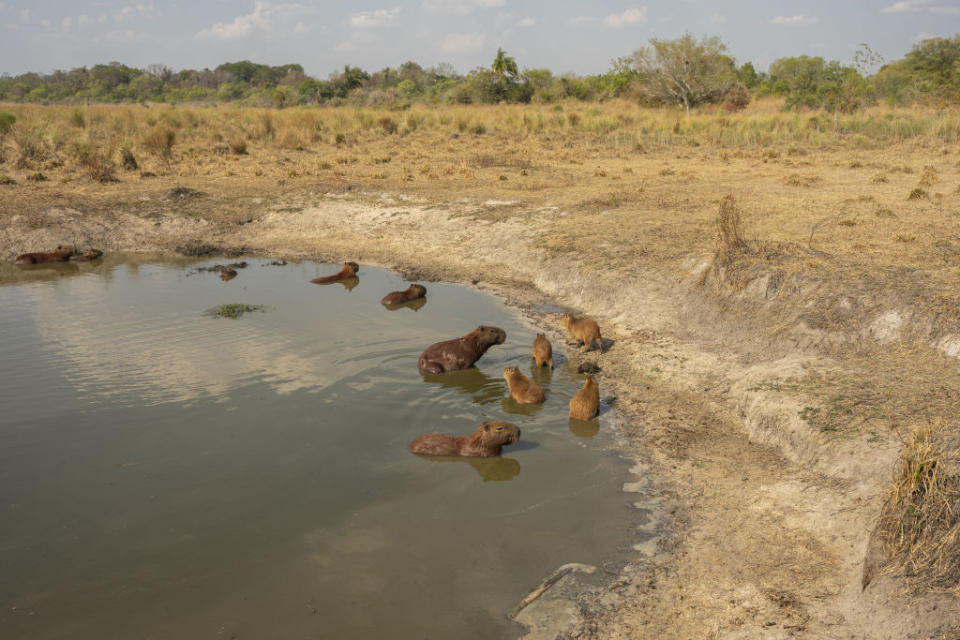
(685,71)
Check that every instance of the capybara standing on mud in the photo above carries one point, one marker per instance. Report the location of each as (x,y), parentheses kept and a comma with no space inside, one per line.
(60,254)
(485,442)
(542,351)
(583,329)
(460,353)
(586,402)
(413,292)
(523,389)
(349,270)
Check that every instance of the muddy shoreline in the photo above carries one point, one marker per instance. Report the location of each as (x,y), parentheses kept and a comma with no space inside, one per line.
(760,522)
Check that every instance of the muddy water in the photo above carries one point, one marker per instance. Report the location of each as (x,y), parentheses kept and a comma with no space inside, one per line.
(165,474)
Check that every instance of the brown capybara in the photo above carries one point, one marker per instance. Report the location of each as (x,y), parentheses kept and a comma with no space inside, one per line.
(585,403)
(583,329)
(93,254)
(485,442)
(349,270)
(413,292)
(228,274)
(460,353)
(523,389)
(542,351)
(60,254)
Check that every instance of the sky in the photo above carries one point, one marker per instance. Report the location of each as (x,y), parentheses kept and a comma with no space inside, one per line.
(560,35)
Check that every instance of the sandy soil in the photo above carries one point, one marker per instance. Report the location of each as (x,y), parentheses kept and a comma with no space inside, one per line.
(759,520)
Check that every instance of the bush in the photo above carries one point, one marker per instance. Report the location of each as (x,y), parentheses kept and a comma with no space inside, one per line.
(7,121)
(737,99)
(238,146)
(160,142)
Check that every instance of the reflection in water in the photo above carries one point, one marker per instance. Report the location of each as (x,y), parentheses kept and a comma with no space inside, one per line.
(472,381)
(58,267)
(512,406)
(415,305)
(584,428)
(541,375)
(496,469)
(348,283)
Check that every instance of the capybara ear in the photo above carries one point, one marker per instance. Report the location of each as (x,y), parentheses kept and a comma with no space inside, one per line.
(486,426)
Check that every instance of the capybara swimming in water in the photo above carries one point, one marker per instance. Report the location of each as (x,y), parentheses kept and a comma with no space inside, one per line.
(460,353)
(542,351)
(93,254)
(583,329)
(60,254)
(228,274)
(485,442)
(349,270)
(586,402)
(413,292)
(523,389)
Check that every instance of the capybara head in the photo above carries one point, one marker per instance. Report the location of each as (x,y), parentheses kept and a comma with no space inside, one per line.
(511,372)
(489,335)
(354,266)
(496,434)
(64,250)
(566,319)
(418,290)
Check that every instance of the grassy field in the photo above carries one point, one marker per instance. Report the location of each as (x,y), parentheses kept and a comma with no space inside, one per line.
(846,243)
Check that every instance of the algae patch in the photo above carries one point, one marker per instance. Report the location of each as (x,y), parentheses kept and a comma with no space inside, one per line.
(233,311)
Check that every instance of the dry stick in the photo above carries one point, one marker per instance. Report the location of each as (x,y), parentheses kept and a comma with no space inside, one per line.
(539,591)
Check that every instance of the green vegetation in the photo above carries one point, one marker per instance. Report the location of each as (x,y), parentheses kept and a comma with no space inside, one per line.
(683,71)
(233,311)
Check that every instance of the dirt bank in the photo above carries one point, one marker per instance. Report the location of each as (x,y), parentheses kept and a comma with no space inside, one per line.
(764,514)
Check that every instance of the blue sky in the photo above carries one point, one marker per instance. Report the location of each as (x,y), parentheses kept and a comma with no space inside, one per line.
(561,35)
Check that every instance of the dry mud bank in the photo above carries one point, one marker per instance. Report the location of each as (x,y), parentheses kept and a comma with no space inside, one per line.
(727,402)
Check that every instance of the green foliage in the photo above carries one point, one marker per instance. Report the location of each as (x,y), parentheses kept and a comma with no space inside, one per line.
(7,121)
(813,82)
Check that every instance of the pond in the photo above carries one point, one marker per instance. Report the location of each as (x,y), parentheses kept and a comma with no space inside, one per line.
(168,474)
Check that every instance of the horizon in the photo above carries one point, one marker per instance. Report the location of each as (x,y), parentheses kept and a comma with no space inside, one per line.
(564,37)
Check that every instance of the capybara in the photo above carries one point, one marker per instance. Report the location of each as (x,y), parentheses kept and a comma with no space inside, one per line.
(485,442)
(523,389)
(228,274)
(583,329)
(93,254)
(413,292)
(542,351)
(460,353)
(349,270)
(60,254)
(586,402)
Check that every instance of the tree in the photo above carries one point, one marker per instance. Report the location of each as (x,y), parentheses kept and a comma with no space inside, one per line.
(685,71)
(505,66)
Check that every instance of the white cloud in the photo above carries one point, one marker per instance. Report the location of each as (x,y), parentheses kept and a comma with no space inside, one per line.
(462,42)
(460,7)
(66,23)
(374,19)
(914,6)
(24,15)
(799,19)
(632,16)
(635,15)
(718,18)
(346,46)
(264,17)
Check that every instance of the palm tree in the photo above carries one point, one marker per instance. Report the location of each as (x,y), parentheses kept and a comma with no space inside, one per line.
(504,65)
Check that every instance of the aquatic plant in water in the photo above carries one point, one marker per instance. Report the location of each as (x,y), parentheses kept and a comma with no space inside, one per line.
(233,310)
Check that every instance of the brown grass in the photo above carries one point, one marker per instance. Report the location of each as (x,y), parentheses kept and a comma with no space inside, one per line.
(920,521)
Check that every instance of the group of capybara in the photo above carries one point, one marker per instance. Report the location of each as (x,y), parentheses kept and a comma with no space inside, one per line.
(462,353)
(441,357)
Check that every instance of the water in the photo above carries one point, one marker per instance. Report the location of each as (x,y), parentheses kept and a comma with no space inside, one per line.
(164,474)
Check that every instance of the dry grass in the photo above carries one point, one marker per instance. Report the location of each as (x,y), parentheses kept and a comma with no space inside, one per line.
(920,521)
